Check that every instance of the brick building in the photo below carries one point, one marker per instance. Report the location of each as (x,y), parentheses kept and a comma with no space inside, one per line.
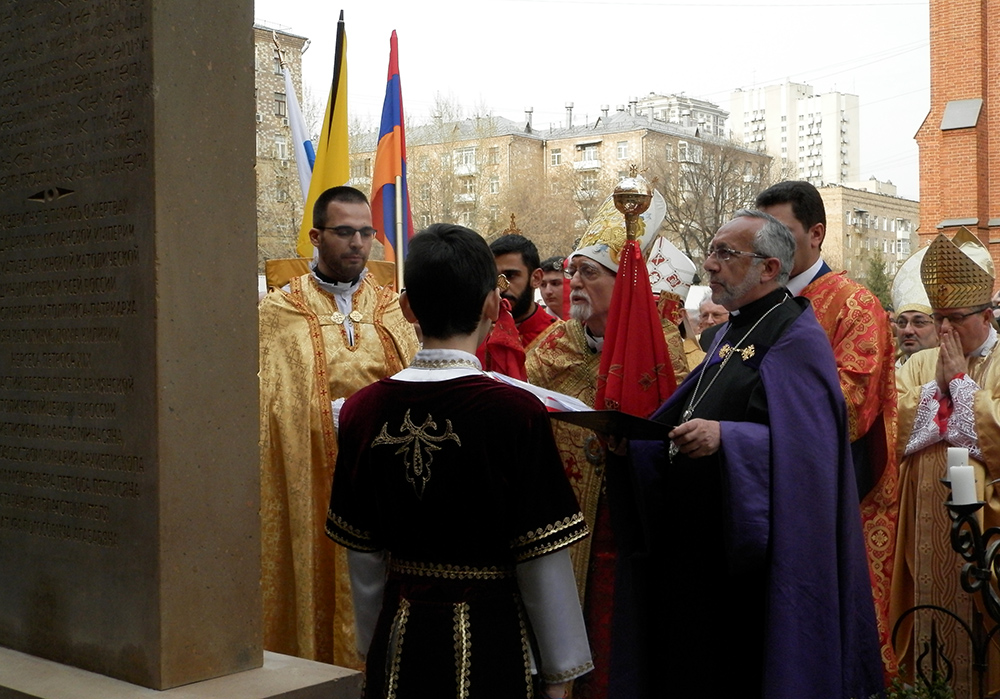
(959,139)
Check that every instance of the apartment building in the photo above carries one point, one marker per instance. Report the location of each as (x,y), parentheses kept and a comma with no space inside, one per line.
(279,197)
(813,137)
(866,224)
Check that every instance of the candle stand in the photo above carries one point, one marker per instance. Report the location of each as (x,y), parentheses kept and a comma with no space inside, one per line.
(981,552)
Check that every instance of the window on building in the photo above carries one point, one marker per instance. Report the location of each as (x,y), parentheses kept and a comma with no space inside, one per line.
(494,185)
(277,66)
(465,156)
(445,161)
(588,181)
(360,167)
(280,147)
(589,154)
(688,152)
(622,150)
(467,185)
(425,220)
(424,192)
(670,152)
(281,195)
(280,108)
(556,155)
(494,155)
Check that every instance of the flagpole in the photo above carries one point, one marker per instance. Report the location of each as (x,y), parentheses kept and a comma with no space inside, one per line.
(399,232)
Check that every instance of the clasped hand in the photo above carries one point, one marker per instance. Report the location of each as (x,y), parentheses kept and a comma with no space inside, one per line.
(951,359)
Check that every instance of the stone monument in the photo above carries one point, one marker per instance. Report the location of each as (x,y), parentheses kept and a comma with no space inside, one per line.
(129,488)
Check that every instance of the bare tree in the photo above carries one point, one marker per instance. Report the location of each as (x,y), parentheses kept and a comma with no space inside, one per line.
(706,183)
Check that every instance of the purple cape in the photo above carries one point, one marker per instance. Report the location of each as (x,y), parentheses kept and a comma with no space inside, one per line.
(792,504)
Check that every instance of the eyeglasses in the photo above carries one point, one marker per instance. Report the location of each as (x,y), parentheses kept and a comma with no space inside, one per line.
(346,232)
(918,323)
(588,272)
(724,254)
(954,318)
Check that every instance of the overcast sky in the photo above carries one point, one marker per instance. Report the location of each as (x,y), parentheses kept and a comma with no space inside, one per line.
(505,55)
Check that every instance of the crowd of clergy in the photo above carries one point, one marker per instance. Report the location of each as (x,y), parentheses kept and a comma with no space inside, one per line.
(784,522)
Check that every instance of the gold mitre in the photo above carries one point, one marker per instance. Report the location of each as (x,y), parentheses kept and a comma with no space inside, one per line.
(957,273)
(605,237)
(908,293)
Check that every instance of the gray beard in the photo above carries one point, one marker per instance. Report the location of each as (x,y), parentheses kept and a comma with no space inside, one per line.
(580,312)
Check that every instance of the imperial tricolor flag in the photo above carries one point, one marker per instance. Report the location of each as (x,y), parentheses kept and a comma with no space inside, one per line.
(332,167)
(305,154)
(390,169)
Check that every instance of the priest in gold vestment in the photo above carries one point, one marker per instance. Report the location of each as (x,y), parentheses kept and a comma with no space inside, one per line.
(948,397)
(324,336)
(566,358)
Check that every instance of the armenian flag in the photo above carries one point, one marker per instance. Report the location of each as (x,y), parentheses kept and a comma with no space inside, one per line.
(390,199)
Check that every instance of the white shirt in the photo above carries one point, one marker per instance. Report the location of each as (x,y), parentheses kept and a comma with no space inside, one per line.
(801,280)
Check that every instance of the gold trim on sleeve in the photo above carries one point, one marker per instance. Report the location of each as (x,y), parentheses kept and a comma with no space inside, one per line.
(568,675)
(549,529)
(336,519)
(347,536)
(544,548)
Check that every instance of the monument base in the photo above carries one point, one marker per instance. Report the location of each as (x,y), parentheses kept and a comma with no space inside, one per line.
(24,676)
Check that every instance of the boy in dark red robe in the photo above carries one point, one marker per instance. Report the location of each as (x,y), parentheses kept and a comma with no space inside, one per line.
(459,565)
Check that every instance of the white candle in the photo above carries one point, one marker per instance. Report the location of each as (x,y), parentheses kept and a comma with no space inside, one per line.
(963,485)
(958,456)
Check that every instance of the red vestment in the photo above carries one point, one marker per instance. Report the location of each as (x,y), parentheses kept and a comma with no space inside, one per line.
(534,325)
(858,329)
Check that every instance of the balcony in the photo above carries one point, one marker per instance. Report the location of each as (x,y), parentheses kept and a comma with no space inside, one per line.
(587,165)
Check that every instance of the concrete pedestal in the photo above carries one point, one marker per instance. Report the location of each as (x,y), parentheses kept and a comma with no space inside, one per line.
(25,676)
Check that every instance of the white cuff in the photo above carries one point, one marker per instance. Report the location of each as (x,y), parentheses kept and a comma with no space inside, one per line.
(961,430)
(367,584)
(925,431)
(335,406)
(548,589)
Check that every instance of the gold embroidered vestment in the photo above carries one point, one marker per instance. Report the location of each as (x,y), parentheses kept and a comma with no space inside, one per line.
(306,362)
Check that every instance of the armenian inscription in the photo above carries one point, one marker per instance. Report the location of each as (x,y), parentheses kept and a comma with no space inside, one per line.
(128,492)
(74,235)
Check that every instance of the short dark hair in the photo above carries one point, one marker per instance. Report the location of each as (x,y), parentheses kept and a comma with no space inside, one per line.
(348,195)
(553,264)
(448,274)
(807,204)
(512,242)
